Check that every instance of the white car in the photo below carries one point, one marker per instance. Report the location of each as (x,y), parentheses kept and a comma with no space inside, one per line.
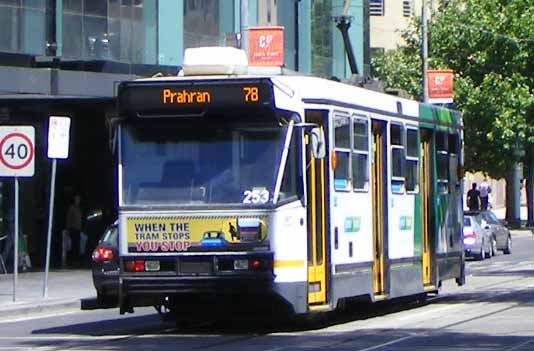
(478,242)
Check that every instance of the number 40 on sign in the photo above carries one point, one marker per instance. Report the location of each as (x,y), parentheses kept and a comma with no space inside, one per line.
(17,151)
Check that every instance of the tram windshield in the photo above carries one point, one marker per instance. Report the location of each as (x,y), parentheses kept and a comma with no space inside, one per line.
(166,163)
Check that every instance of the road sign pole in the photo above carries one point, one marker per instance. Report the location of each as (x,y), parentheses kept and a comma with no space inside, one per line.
(49,236)
(16,241)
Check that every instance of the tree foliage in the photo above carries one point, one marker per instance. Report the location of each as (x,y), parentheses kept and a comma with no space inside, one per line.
(490,47)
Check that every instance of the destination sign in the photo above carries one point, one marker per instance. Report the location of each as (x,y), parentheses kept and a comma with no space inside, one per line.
(170,98)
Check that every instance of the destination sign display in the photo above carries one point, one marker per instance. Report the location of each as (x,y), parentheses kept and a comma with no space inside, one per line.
(170,98)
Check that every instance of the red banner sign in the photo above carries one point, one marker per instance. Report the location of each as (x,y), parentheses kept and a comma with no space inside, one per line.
(440,86)
(266,46)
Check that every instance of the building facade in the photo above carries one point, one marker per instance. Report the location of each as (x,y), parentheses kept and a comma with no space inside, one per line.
(65,57)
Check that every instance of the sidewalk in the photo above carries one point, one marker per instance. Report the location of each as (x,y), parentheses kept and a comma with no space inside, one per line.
(523,214)
(66,288)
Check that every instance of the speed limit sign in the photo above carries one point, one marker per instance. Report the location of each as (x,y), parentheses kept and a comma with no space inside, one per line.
(17,151)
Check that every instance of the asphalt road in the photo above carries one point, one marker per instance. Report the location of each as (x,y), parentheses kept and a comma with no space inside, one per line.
(492,312)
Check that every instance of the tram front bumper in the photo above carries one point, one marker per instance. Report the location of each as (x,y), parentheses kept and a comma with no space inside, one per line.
(154,290)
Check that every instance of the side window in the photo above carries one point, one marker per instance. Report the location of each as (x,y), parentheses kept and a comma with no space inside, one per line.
(442,156)
(412,160)
(454,159)
(360,154)
(397,158)
(342,152)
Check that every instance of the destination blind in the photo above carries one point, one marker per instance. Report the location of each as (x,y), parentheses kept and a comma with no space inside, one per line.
(146,98)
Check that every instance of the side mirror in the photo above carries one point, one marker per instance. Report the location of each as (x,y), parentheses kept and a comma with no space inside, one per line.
(318,144)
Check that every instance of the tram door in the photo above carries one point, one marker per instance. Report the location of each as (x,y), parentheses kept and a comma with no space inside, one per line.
(425,176)
(316,190)
(378,187)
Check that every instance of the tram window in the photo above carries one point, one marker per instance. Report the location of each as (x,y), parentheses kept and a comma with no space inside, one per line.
(342,132)
(412,176)
(454,160)
(291,182)
(342,144)
(442,139)
(360,154)
(397,162)
(412,161)
(396,135)
(443,171)
(361,135)
(360,171)
(341,172)
(411,143)
(453,144)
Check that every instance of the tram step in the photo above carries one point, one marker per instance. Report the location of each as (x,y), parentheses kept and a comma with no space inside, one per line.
(429,288)
(320,308)
(380,297)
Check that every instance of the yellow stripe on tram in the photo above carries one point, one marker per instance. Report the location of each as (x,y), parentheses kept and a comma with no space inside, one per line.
(288,264)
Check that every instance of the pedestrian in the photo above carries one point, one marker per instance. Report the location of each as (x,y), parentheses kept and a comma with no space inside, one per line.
(473,198)
(485,190)
(73,223)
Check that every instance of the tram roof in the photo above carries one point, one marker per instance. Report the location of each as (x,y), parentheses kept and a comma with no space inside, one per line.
(227,63)
(316,90)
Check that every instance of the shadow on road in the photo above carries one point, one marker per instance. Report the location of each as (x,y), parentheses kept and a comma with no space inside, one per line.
(389,339)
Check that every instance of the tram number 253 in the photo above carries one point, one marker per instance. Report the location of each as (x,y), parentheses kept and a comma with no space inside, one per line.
(251,94)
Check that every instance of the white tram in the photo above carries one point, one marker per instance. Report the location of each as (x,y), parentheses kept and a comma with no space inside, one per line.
(237,184)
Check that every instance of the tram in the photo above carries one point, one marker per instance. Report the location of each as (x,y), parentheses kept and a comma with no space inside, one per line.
(253,184)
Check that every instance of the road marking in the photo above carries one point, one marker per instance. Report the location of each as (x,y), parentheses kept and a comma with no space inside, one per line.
(423,313)
(387,343)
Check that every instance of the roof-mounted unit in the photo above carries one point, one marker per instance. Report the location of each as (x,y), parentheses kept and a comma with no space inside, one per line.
(214,60)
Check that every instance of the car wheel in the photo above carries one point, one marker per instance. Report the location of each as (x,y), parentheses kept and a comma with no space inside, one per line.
(508,249)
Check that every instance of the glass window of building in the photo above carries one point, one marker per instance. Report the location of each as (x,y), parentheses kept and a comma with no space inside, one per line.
(115,30)
(23,26)
(207,22)
(321,38)
(376,7)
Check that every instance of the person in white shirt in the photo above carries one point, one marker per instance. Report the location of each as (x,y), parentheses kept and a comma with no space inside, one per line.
(485,190)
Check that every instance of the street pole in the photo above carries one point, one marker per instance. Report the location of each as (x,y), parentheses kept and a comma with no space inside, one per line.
(49,235)
(16,241)
(244,26)
(424,49)
(516,193)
